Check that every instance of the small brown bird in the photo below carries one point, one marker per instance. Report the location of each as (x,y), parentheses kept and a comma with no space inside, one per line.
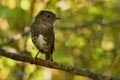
(42,33)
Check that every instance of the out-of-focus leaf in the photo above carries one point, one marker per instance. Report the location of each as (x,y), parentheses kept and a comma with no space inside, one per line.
(97,53)
(9,62)
(75,41)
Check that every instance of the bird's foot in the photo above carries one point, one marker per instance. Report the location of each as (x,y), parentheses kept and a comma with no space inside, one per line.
(47,62)
(36,60)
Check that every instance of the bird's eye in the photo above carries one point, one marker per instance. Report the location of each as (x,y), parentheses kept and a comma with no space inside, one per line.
(48,16)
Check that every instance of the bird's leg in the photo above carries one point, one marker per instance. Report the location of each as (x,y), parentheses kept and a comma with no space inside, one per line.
(36,59)
(48,58)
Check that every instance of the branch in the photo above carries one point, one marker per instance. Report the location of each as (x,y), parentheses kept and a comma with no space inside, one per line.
(100,22)
(14,38)
(55,65)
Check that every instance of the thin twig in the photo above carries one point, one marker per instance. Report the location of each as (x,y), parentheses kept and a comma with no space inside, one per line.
(85,24)
(14,38)
(100,22)
(55,65)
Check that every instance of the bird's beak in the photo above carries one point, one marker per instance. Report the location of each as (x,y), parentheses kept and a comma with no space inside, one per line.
(57,18)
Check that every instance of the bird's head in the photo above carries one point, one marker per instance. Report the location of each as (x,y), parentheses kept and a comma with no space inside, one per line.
(47,16)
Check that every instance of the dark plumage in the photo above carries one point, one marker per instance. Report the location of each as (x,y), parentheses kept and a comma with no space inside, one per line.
(42,33)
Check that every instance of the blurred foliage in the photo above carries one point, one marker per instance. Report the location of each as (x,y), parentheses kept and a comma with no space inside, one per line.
(95,47)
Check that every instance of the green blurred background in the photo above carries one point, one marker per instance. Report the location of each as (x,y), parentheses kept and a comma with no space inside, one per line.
(93,46)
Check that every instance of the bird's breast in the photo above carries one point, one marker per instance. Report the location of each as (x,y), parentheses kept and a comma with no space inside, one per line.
(41,40)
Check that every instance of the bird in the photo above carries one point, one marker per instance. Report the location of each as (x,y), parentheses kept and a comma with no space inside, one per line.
(42,33)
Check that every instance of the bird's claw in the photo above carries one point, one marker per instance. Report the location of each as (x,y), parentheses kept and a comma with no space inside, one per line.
(36,60)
